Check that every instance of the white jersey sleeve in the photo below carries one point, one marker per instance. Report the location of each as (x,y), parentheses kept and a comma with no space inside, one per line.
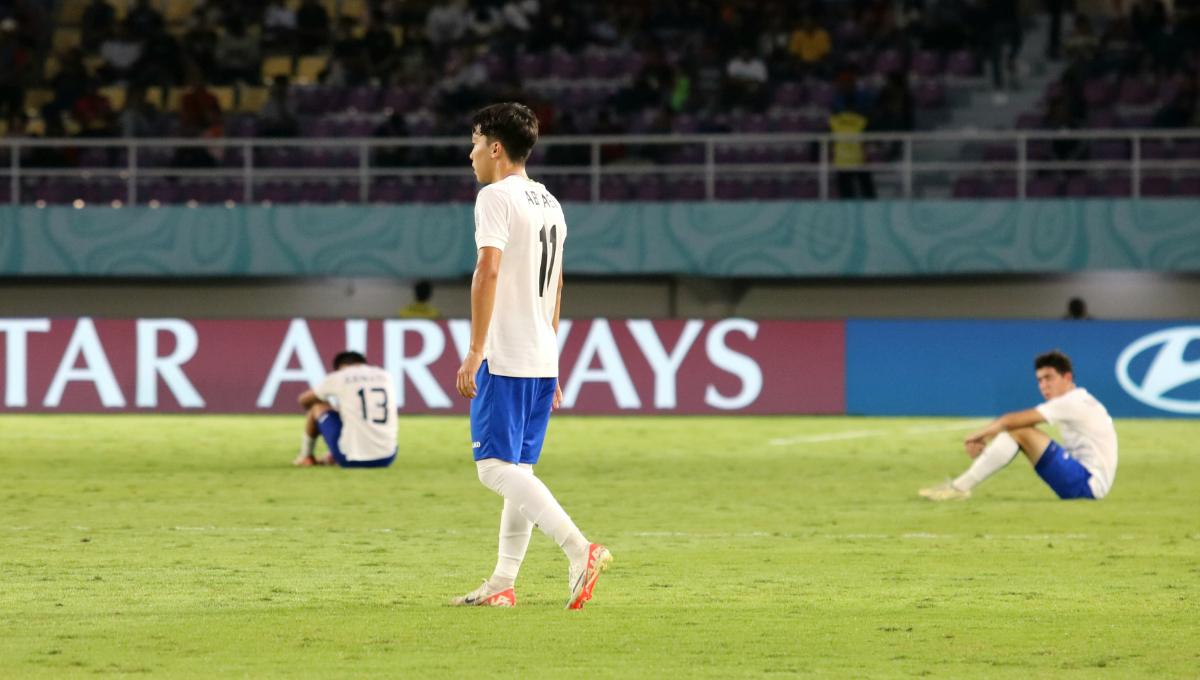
(365,399)
(492,219)
(1088,434)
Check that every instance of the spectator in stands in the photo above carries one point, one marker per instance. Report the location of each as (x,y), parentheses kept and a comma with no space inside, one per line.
(446,23)
(312,27)
(53,156)
(143,19)
(462,81)
(94,113)
(420,307)
(139,118)
(1055,9)
(120,52)
(849,154)
(894,112)
(279,26)
(810,44)
(1180,111)
(1077,310)
(278,117)
(200,46)
(1059,117)
(199,116)
(1083,42)
(68,83)
(97,24)
(161,63)
(747,73)
(1003,33)
(379,45)
(393,156)
(237,55)
(14,70)
(347,62)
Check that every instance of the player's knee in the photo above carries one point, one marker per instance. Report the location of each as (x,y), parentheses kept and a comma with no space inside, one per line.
(491,473)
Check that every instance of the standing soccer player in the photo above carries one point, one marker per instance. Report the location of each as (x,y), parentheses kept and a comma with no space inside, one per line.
(511,371)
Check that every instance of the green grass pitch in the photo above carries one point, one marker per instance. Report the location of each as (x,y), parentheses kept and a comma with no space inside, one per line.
(163,546)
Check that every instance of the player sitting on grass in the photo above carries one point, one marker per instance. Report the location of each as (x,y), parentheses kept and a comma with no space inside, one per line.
(510,373)
(354,410)
(1083,467)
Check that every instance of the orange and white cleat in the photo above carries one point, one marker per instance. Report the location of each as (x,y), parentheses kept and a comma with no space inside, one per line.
(582,583)
(484,596)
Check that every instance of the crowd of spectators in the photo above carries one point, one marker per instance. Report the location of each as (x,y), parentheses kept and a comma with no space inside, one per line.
(711,62)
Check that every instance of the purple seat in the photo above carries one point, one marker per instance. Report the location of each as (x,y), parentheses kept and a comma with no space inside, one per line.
(889,61)
(1139,120)
(276,192)
(848,32)
(386,190)
(1110,150)
(732,190)
(804,188)
(648,188)
(821,94)
(969,187)
(1136,92)
(1001,151)
(764,189)
(532,66)
(1113,186)
(789,95)
(1188,186)
(1156,150)
(1079,186)
(927,64)
(397,99)
(685,190)
(242,126)
(563,65)
(158,190)
(1098,92)
(1039,150)
(1029,121)
(1103,120)
(930,94)
(962,64)
(1187,148)
(1002,187)
(578,190)
(1156,186)
(614,189)
(1042,187)
(103,191)
(363,99)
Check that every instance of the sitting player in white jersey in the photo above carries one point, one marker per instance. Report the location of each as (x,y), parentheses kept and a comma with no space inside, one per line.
(354,410)
(1083,466)
(510,372)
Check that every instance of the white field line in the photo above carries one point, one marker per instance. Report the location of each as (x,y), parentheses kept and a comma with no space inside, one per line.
(863,434)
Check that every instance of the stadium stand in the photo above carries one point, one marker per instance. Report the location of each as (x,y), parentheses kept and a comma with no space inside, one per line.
(705,84)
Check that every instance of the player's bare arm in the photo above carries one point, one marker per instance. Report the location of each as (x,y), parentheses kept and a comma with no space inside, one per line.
(483,301)
(308,398)
(557,308)
(1009,421)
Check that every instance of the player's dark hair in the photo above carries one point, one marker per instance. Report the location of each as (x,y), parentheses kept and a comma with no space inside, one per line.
(1054,359)
(423,291)
(510,123)
(348,358)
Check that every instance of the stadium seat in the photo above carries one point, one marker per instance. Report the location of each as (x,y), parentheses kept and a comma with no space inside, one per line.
(927,64)
(70,12)
(1042,187)
(177,12)
(250,98)
(36,98)
(308,69)
(66,39)
(115,94)
(1156,186)
(1188,186)
(276,66)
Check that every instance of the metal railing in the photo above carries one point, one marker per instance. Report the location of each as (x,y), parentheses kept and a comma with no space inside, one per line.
(713,157)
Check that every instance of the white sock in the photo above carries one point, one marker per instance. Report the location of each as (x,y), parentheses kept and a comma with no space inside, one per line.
(535,503)
(307,445)
(515,532)
(996,455)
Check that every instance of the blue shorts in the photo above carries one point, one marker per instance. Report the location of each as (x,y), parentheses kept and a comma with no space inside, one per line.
(330,425)
(1067,476)
(509,416)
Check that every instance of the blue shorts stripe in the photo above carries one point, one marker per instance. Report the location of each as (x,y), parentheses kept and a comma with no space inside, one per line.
(1067,476)
(509,416)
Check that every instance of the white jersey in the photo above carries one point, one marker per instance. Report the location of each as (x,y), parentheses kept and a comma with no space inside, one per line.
(365,398)
(1088,435)
(523,219)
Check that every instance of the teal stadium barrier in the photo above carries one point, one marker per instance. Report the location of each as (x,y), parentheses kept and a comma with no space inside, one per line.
(737,239)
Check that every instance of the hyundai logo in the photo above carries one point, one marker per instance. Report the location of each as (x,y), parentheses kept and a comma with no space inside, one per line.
(1167,371)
